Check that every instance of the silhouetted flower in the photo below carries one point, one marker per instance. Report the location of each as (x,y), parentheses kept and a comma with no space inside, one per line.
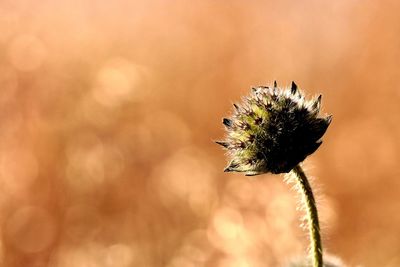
(273,130)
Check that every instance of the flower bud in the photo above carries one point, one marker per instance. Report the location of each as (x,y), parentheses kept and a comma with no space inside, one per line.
(273,130)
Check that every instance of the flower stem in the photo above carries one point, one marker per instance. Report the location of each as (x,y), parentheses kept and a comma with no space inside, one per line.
(312,215)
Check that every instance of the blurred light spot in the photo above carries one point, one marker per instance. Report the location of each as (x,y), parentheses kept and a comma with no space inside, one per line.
(82,222)
(91,162)
(193,253)
(85,167)
(234,262)
(181,262)
(265,190)
(18,169)
(11,127)
(95,113)
(138,138)
(119,255)
(114,162)
(26,52)
(161,132)
(256,229)
(186,176)
(228,223)
(119,81)
(87,255)
(281,209)
(8,84)
(31,229)
(196,246)
(240,192)
(227,231)
(282,222)
(202,198)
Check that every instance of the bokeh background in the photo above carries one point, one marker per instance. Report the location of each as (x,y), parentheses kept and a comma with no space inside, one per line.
(109,110)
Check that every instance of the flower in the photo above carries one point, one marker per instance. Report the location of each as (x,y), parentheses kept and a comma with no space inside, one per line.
(273,130)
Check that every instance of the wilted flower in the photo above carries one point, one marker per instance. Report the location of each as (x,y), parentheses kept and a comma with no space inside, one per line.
(273,130)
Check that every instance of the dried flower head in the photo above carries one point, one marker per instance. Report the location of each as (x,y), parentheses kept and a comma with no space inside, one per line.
(273,130)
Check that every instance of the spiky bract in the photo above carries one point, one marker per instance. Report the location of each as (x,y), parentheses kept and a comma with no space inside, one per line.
(273,130)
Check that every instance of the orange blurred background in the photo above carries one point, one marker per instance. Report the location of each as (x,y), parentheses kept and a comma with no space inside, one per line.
(109,110)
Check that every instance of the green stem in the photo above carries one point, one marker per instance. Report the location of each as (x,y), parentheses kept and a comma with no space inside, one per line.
(312,215)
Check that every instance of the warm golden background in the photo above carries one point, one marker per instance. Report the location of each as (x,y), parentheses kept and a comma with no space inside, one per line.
(109,110)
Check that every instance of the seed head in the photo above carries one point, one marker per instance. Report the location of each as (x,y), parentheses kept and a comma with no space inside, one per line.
(273,130)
